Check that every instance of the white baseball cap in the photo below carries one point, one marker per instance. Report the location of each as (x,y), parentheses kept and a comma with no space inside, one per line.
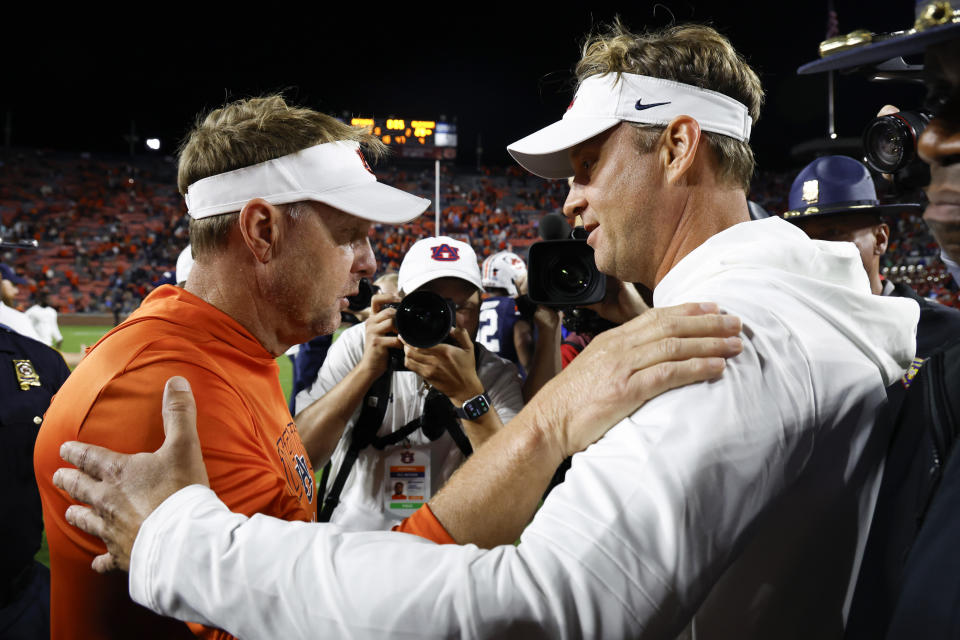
(603,101)
(502,270)
(439,257)
(334,173)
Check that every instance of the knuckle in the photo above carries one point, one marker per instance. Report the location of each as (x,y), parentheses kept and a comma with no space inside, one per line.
(108,511)
(73,486)
(82,458)
(114,470)
(660,374)
(670,347)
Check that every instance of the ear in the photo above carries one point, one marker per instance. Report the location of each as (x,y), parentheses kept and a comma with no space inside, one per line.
(881,236)
(260,224)
(681,139)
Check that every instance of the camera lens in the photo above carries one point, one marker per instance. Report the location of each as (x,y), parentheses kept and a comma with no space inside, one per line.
(571,275)
(424,319)
(890,142)
(563,274)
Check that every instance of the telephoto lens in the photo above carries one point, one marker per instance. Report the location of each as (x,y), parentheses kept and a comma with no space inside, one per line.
(890,142)
(424,319)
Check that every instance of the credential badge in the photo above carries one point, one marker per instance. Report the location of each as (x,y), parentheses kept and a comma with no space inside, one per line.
(26,375)
(811,191)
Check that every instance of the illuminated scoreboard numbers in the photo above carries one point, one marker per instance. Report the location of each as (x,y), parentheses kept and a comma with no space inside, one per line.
(413,138)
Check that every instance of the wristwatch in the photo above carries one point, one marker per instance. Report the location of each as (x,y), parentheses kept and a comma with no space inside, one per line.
(474,407)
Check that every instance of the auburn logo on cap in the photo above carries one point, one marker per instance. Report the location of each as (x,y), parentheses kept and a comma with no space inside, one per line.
(364,161)
(444,253)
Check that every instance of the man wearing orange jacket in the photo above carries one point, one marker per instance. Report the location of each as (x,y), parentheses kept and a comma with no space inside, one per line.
(281,200)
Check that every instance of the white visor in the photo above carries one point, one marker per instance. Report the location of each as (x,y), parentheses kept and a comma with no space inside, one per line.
(602,101)
(334,173)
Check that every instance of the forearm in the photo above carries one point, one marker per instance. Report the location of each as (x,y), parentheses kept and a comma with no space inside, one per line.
(321,424)
(214,570)
(546,361)
(518,461)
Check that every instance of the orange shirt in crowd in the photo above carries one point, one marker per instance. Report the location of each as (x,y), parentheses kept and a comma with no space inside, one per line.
(254,457)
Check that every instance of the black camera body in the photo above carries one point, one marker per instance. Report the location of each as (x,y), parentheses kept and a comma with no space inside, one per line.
(563,273)
(424,319)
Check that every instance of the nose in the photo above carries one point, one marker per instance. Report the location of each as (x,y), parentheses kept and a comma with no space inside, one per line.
(575,203)
(939,143)
(364,262)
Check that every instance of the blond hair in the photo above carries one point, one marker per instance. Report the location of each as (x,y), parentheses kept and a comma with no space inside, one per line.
(693,54)
(247,132)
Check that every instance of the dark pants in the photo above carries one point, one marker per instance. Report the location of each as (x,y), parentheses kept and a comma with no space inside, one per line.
(27,616)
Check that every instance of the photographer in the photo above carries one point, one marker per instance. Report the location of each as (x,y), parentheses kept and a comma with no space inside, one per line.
(459,370)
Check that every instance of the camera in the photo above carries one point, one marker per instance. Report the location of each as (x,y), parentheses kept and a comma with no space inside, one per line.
(365,291)
(424,319)
(562,273)
(890,146)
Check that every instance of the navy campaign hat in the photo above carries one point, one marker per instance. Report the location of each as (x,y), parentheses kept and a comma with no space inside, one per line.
(7,273)
(837,184)
(936,21)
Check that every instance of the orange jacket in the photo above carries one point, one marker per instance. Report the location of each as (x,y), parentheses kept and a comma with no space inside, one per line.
(254,457)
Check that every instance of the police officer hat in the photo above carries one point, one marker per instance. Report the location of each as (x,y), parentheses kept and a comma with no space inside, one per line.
(838,184)
(6,273)
(936,21)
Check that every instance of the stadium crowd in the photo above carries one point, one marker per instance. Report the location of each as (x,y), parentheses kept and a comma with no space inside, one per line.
(110,228)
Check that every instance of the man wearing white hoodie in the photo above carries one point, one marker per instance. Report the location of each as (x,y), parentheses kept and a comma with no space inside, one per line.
(731,508)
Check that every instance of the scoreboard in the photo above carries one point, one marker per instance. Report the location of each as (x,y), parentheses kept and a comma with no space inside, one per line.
(426,139)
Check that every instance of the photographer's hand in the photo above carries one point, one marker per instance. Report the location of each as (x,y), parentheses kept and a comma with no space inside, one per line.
(452,370)
(380,336)
(543,359)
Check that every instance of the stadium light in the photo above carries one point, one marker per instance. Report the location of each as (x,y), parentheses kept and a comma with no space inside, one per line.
(153,143)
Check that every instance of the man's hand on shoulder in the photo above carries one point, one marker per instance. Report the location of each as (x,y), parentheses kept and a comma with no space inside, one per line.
(621,369)
(122,489)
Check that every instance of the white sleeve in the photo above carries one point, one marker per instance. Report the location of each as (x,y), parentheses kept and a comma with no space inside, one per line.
(647,521)
(345,353)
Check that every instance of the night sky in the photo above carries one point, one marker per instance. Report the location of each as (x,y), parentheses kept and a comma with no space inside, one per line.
(500,71)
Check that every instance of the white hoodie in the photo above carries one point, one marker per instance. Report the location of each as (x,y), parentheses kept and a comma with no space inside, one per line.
(736,508)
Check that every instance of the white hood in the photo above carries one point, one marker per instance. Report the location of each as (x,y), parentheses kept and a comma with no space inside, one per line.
(828,276)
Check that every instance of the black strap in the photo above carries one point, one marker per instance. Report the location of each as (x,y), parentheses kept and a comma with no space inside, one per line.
(364,431)
(438,417)
(437,410)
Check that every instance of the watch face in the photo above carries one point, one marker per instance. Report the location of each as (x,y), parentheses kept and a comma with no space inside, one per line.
(476,407)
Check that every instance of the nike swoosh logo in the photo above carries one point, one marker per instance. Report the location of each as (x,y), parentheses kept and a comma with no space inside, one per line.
(641,107)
